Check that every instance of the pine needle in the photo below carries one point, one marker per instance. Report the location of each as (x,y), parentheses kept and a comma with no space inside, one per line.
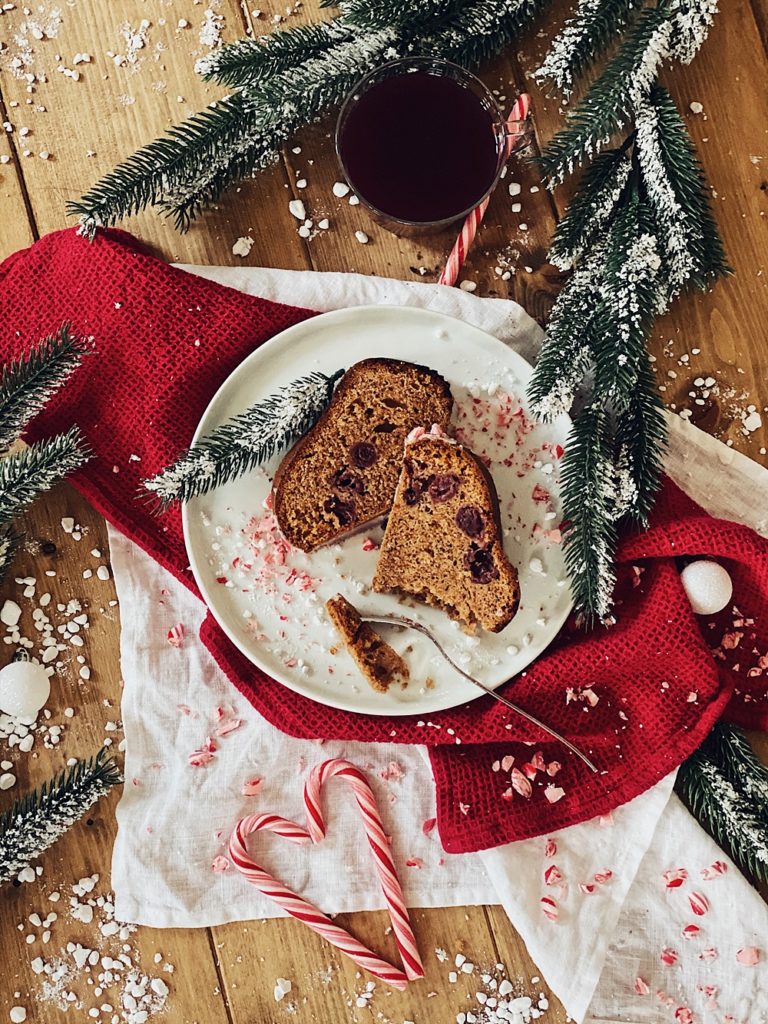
(29,472)
(246,441)
(37,820)
(27,384)
(731,818)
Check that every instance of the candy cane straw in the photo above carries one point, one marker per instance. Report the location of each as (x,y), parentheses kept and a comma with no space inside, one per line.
(307,912)
(517,135)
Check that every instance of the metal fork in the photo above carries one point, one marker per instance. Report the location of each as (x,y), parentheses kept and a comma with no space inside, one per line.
(406,623)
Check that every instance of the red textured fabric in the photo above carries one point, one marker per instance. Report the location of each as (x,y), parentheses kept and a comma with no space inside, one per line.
(165,340)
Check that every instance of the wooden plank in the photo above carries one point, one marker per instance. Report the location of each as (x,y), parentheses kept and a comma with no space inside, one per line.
(90,125)
(718,334)
(18,230)
(326,986)
(86,849)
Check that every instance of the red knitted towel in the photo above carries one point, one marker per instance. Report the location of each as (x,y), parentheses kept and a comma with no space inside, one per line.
(640,695)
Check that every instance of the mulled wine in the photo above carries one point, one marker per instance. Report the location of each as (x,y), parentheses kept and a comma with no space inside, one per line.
(420,143)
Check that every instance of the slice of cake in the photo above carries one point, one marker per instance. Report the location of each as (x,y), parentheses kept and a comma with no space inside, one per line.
(378,662)
(343,472)
(443,542)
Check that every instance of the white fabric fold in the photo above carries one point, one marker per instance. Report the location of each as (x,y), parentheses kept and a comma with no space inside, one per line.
(170,813)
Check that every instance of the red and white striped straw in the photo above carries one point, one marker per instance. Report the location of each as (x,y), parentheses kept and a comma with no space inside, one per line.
(315,832)
(517,135)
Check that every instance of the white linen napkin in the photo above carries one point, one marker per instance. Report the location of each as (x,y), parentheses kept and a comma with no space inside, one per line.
(170,813)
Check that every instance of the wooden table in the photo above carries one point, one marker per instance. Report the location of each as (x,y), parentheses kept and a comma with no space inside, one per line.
(86,126)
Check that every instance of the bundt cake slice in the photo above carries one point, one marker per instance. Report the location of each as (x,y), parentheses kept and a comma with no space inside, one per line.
(379,663)
(443,541)
(343,472)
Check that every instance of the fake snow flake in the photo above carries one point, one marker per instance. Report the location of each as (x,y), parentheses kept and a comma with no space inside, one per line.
(242,246)
(297,209)
(361,237)
(340,189)
(282,987)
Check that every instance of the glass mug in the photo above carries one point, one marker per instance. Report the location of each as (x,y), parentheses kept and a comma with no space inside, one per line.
(421,142)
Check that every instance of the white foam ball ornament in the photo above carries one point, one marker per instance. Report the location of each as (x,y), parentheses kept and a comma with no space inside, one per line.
(707,586)
(24,688)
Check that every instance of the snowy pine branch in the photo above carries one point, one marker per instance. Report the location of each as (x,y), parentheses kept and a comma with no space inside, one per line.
(612,98)
(224,129)
(677,192)
(641,438)
(730,748)
(9,543)
(729,816)
(589,540)
(36,821)
(584,37)
(600,189)
(246,441)
(28,383)
(282,85)
(247,63)
(36,469)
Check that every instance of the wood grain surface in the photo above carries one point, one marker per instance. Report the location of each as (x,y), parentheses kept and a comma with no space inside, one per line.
(87,125)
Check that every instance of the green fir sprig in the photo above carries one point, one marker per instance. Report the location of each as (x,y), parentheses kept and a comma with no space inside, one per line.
(27,384)
(282,85)
(245,441)
(722,784)
(37,820)
(29,472)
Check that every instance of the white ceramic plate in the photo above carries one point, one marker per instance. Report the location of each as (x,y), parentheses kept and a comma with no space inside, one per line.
(269,600)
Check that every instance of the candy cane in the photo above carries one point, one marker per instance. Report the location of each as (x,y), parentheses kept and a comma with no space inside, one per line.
(315,832)
(517,135)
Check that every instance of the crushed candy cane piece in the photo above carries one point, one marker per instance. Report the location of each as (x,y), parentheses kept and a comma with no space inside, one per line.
(748,956)
(553,768)
(641,987)
(414,862)
(251,786)
(554,793)
(550,848)
(690,931)
(200,758)
(549,907)
(506,762)
(428,825)
(683,1015)
(538,761)
(220,864)
(520,784)
(587,888)
(601,877)
(675,877)
(552,875)
(668,956)
(699,903)
(176,635)
(719,867)
(710,953)
(228,727)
